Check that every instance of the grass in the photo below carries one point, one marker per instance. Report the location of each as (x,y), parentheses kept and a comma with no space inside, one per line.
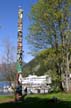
(61,96)
(62,100)
(4,99)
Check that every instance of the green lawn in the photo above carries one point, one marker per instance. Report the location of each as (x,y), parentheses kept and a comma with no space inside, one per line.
(61,96)
(55,100)
(4,99)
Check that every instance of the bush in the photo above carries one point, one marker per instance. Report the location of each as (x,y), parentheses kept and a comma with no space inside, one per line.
(55,87)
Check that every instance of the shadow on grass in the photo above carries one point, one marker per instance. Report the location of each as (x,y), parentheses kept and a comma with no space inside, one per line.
(37,103)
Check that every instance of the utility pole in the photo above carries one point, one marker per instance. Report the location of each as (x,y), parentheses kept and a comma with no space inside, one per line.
(19,66)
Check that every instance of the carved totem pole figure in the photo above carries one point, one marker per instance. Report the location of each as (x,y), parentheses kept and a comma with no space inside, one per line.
(19,66)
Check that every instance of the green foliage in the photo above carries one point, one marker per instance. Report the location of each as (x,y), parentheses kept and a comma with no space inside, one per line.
(47,60)
(49,20)
(51,28)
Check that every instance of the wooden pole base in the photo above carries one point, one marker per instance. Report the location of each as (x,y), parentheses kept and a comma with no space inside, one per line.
(18,93)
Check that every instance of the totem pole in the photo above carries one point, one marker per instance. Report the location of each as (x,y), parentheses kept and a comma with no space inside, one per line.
(19,66)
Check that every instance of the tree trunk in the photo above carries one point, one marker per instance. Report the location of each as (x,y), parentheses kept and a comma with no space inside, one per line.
(67,73)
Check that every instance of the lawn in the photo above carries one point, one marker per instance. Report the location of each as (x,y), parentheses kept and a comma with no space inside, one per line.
(54,100)
(4,99)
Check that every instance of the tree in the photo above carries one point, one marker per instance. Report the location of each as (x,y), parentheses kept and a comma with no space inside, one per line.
(9,60)
(50,27)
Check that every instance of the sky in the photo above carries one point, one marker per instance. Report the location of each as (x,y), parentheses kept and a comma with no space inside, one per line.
(8,23)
